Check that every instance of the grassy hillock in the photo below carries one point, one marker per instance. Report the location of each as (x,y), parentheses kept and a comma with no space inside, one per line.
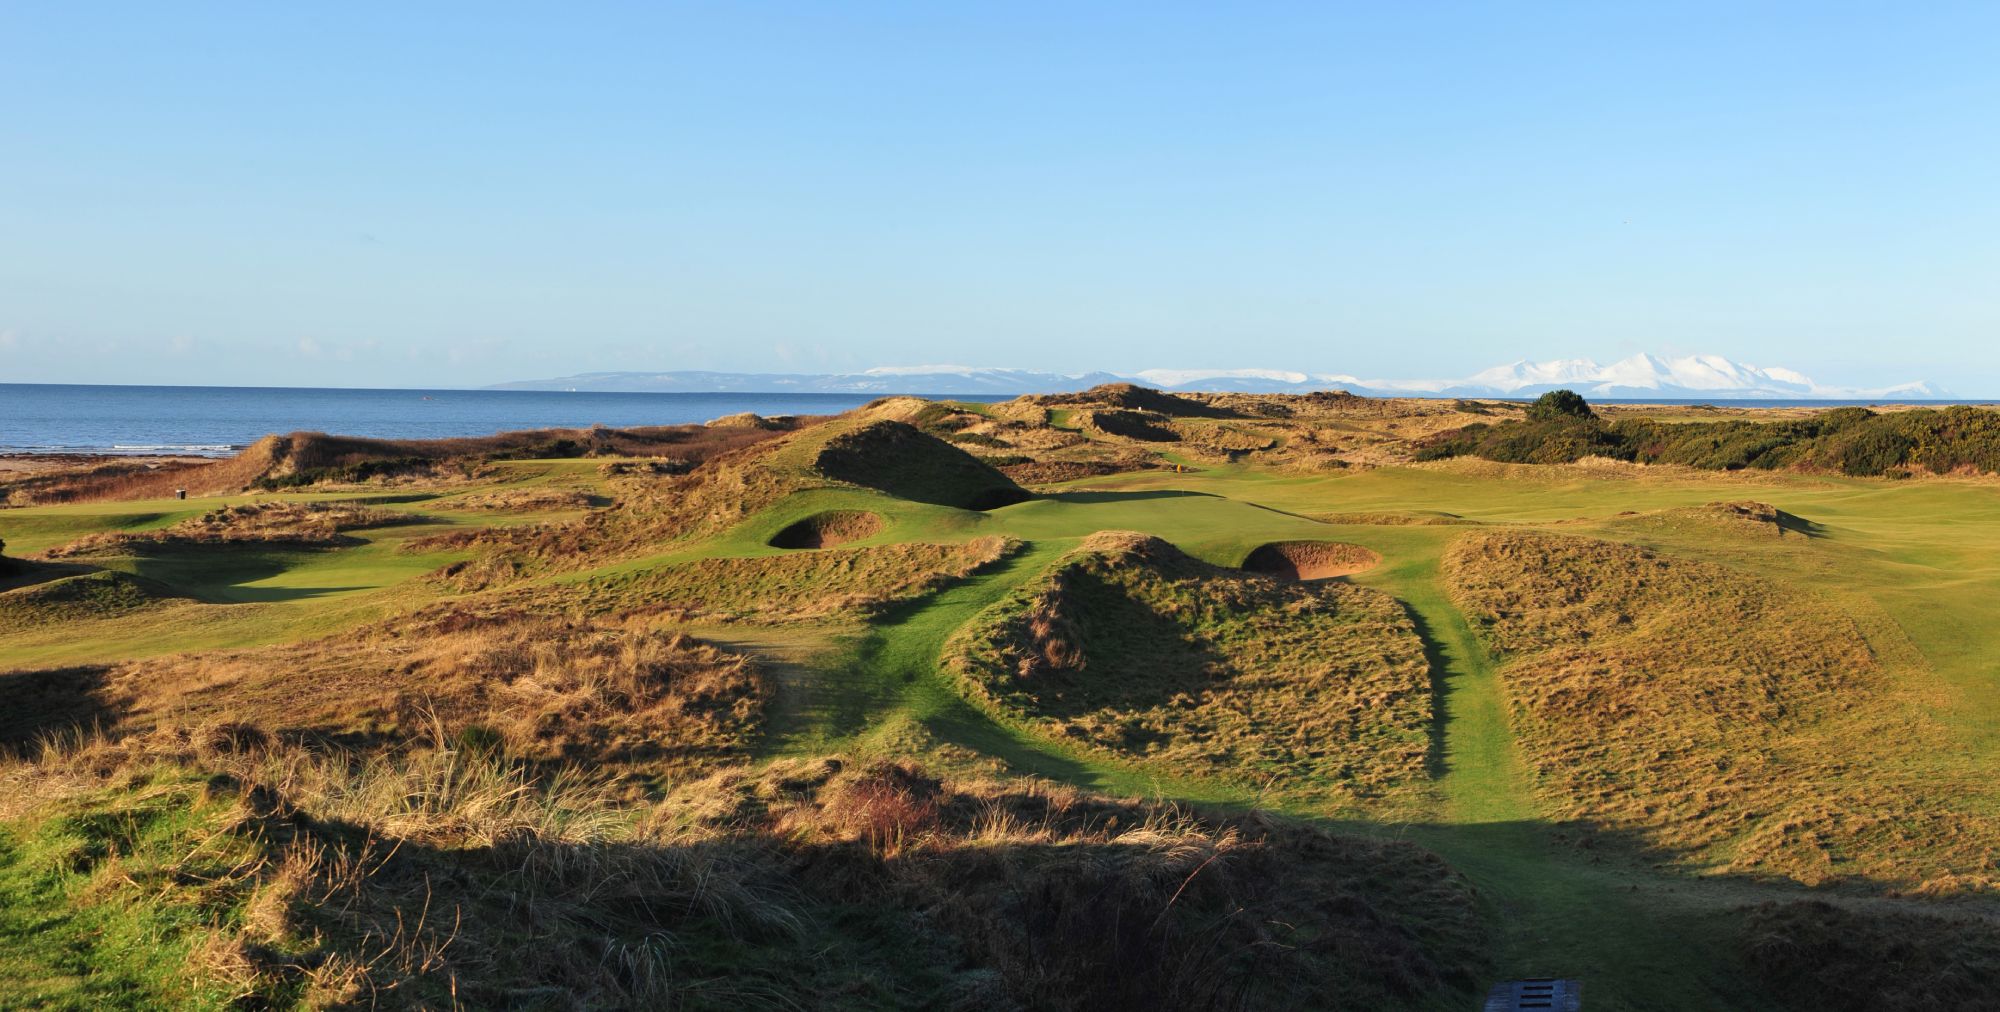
(793,587)
(898,458)
(1128,645)
(78,598)
(880,454)
(1715,715)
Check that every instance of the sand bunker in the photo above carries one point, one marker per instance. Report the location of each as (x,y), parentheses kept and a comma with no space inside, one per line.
(825,530)
(1310,560)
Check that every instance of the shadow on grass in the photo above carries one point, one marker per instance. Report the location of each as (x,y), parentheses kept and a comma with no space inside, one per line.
(1138,496)
(48,702)
(1435,763)
(221,574)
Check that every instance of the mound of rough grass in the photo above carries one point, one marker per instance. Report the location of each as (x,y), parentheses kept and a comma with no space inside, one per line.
(1130,646)
(898,458)
(830,529)
(1718,716)
(1810,955)
(1144,426)
(85,596)
(859,450)
(524,500)
(793,587)
(302,524)
(1226,440)
(1310,560)
(210,870)
(531,687)
(1725,519)
(1050,472)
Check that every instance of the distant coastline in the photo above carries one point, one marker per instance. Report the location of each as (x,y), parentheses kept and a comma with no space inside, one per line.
(150,421)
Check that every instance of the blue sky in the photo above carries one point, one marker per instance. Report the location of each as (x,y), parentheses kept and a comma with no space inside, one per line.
(437,194)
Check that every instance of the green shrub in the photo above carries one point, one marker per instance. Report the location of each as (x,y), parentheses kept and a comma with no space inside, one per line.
(1557,405)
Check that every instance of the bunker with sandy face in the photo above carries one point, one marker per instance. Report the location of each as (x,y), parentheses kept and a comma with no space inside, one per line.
(826,530)
(1310,560)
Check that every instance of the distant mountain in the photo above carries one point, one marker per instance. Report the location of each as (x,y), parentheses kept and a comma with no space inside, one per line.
(1694,377)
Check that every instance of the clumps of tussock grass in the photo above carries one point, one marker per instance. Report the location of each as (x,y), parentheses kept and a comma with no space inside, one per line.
(802,586)
(517,500)
(291,878)
(1722,718)
(1051,472)
(1068,900)
(1129,646)
(1815,955)
(524,685)
(305,524)
(99,479)
(1143,426)
(236,867)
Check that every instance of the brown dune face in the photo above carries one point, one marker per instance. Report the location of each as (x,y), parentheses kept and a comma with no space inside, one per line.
(1310,560)
(826,530)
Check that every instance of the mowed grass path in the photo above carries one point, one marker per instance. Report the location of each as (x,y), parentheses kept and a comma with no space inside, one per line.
(1556,910)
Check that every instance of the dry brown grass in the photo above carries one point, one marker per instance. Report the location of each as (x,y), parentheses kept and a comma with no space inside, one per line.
(438,877)
(309,524)
(309,457)
(1075,901)
(797,586)
(1130,646)
(84,478)
(859,450)
(1721,717)
(517,500)
(528,686)
(1305,432)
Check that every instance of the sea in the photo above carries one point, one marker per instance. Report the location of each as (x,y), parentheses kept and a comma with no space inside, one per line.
(219,421)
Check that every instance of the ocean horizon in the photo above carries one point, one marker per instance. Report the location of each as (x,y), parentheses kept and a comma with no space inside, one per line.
(110,419)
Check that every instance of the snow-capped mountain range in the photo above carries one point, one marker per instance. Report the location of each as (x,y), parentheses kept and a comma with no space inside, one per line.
(1693,377)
